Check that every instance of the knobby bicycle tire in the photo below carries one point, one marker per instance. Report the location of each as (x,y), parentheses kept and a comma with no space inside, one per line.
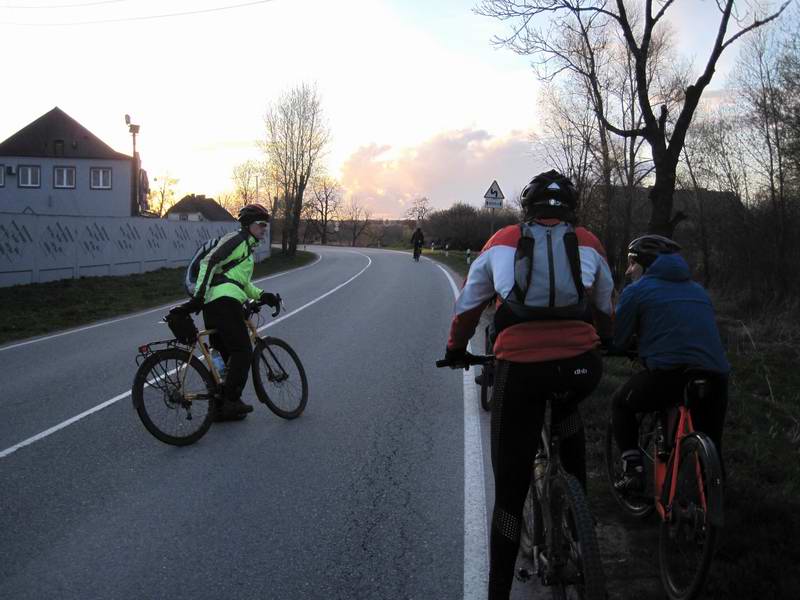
(687,541)
(279,378)
(573,531)
(642,505)
(157,392)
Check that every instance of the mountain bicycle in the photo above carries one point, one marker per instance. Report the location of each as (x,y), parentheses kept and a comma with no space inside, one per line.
(417,251)
(687,489)
(565,553)
(176,393)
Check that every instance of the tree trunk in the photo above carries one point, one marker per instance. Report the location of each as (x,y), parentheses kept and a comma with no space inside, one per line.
(661,194)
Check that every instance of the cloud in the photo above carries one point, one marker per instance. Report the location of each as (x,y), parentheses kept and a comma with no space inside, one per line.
(452,166)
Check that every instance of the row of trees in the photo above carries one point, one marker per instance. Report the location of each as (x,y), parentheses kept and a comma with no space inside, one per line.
(623,113)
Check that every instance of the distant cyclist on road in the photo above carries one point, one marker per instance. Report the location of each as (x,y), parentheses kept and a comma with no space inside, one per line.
(417,241)
(673,320)
(221,297)
(547,274)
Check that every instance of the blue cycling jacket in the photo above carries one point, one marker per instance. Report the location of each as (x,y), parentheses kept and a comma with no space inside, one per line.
(673,318)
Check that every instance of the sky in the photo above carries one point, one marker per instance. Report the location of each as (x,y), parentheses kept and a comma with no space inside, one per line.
(418,100)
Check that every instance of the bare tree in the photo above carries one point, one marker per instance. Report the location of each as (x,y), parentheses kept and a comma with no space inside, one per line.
(323,207)
(245,179)
(230,201)
(162,196)
(357,219)
(296,136)
(589,20)
(419,209)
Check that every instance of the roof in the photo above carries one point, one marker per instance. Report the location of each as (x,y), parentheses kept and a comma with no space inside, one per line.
(39,139)
(208,207)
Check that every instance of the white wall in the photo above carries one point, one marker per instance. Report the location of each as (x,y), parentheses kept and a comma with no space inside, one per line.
(37,248)
(81,201)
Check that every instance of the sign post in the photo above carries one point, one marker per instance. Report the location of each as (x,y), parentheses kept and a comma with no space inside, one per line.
(494,199)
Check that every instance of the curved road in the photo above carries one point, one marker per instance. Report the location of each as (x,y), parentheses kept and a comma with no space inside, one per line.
(377,491)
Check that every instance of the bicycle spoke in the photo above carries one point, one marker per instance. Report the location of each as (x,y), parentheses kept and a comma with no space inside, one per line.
(279,378)
(173,397)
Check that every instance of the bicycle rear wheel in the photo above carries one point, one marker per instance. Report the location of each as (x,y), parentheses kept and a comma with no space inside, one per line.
(279,378)
(637,505)
(574,544)
(687,539)
(173,395)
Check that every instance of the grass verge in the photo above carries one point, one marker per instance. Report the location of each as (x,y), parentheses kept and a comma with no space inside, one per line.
(40,308)
(757,553)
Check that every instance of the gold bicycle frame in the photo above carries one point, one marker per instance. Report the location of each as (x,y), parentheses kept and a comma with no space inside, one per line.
(206,352)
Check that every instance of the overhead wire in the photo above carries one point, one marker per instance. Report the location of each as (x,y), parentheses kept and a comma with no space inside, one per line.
(141,17)
(82,5)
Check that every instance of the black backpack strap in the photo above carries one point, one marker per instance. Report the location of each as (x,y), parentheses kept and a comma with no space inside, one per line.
(221,278)
(523,264)
(574,256)
(228,266)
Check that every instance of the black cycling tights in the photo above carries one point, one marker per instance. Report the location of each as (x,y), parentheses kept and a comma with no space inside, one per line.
(232,340)
(518,406)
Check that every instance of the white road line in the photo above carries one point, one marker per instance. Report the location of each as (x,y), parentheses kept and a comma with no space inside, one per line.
(476,538)
(119,397)
(139,314)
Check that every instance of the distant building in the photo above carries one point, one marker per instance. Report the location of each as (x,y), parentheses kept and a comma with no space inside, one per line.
(55,166)
(197,208)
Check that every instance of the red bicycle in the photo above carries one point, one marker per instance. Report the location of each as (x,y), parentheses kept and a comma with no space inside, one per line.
(686,474)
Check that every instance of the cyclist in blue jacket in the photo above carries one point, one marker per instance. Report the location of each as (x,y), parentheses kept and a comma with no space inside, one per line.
(673,320)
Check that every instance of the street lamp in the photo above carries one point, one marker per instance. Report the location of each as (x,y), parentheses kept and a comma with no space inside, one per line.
(133,129)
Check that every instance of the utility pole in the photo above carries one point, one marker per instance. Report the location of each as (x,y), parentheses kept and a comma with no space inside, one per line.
(133,130)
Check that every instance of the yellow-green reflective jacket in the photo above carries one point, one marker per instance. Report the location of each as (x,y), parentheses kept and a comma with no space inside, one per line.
(235,283)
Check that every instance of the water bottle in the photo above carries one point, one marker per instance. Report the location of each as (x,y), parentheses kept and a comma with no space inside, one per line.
(219,363)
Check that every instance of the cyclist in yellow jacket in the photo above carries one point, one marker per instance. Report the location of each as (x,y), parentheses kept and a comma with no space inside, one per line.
(220,291)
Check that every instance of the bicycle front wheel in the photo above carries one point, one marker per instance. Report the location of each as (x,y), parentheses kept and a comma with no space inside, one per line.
(279,378)
(173,395)
(574,550)
(687,539)
(638,505)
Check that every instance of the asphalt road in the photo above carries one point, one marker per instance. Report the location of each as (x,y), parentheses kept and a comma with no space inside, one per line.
(379,490)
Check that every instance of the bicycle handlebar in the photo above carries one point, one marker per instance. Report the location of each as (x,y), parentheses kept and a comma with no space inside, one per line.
(471,359)
(254,306)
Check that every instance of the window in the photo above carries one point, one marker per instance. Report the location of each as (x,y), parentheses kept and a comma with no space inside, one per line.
(64,177)
(2,175)
(28,176)
(100,178)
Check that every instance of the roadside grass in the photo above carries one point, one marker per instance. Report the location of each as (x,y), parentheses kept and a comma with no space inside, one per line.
(455,259)
(40,308)
(758,550)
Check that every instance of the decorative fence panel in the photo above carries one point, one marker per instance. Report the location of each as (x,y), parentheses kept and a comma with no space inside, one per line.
(39,248)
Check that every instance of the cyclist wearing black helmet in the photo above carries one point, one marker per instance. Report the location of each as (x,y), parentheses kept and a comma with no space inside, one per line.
(548,275)
(221,297)
(673,321)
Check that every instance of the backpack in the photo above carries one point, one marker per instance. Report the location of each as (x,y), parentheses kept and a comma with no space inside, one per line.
(192,271)
(547,277)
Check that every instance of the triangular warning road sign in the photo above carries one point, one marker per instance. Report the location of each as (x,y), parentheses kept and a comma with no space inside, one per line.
(494,193)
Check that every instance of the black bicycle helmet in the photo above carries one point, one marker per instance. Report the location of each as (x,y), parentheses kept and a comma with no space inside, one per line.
(250,213)
(645,249)
(549,195)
